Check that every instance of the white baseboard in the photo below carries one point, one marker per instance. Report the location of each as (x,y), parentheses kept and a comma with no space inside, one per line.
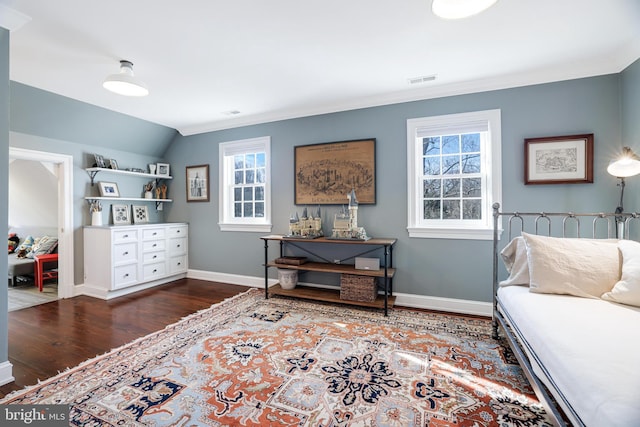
(451,305)
(100,292)
(6,373)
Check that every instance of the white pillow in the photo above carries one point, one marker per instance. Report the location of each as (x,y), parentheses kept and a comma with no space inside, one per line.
(572,266)
(514,256)
(627,290)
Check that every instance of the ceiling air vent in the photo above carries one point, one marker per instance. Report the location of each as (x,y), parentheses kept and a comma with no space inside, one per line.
(422,79)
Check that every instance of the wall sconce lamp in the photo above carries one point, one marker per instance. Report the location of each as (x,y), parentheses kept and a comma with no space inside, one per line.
(627,165)
(125,83)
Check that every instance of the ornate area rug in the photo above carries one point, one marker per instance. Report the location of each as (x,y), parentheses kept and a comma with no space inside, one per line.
(284,362)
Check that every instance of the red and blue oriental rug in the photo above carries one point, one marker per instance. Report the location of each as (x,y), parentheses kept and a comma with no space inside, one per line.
(282,362)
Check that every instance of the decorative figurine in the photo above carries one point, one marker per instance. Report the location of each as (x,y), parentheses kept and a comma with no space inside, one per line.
(345,224)
(305,227)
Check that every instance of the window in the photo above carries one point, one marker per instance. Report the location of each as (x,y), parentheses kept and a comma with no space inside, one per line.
(454,174)
(245,185)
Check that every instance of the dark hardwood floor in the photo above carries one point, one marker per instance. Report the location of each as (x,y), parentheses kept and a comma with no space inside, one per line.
(47,339)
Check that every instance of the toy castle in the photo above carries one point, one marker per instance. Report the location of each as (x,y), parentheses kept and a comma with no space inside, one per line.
(307,227)
(345,223)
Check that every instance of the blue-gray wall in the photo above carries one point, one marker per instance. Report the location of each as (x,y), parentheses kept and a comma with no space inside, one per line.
(4,179)
(435,267)
(630,102)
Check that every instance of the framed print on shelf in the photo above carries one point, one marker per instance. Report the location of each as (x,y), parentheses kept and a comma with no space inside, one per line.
(325,173)
(559,159)
(198,183)
(162,169)
(120,214)
(113,164)
(108,189)
(100,163)
(140,214)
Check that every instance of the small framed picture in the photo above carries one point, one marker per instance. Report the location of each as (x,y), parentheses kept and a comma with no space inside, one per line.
(113,164)
(108,189)
(140,214)
(120,214)
(198,183)
(100,163)
(162,169)
(559,159)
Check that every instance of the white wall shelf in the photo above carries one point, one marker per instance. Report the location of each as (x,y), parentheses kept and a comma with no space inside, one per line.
(133,199)
(94,171)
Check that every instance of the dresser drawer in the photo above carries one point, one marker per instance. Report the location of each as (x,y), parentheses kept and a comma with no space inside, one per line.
(149,257)
(151,271)
(153,245)
(122,236)
(125,275)
(178,264)
(125,252)
(153,233)
(178,231)
(178,246)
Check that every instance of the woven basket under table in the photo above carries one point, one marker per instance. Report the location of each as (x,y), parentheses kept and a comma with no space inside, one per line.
(358,288)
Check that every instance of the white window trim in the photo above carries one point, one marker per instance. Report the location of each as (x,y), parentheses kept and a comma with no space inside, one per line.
(440,229)
(225,204)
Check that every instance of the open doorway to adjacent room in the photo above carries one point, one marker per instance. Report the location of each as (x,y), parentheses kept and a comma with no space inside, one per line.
(57,169)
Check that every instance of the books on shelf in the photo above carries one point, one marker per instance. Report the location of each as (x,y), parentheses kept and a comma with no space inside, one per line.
(291,260)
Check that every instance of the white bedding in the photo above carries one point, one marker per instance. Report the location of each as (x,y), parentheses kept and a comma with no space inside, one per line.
(590,348)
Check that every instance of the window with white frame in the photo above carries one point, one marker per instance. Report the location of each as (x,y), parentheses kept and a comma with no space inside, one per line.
(454,174)
(245,185)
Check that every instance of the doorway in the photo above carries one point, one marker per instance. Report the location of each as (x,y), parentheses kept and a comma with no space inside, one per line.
(64,165)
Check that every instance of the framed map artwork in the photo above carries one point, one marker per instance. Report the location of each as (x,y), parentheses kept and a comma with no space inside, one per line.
(326,173)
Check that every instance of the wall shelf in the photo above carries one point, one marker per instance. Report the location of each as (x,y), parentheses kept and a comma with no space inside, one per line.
(94,171)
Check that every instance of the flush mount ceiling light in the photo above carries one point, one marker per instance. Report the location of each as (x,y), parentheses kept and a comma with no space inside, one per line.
(125,83)
(458,9)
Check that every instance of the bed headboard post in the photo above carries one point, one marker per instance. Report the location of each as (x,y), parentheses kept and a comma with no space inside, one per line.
(496,215)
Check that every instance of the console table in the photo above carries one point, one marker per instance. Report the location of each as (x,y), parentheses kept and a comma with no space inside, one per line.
(362,247)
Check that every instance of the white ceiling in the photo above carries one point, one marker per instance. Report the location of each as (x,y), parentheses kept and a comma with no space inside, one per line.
(280,59)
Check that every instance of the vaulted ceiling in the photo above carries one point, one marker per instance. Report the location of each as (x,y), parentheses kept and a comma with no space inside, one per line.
(212,65)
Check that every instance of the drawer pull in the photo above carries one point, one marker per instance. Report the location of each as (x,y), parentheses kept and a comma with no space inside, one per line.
(177,246)
(125,253)
(154,245)
(126,275)
(179,263)
(126,236)
(178,231)
(155,270)
(155,256)
(155,234)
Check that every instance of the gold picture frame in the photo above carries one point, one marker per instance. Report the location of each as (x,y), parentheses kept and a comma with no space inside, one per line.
(325,173)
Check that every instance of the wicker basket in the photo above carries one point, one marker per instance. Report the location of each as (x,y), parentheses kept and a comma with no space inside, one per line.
(358,288)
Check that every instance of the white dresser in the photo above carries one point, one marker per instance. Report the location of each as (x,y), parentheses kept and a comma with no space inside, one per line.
(122,259)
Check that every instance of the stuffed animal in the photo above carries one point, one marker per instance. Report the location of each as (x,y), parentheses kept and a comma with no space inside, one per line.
(25,247)
(13,241)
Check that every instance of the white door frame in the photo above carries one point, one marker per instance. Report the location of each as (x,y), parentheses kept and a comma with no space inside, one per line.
(65,212)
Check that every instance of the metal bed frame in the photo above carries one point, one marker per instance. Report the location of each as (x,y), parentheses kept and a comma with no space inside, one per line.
(603,225)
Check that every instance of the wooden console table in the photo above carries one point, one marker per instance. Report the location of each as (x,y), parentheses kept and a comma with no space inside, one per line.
(386,271)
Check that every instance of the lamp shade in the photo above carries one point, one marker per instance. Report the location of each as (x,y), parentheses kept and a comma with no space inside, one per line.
(125,83)
(627,165)
(458,9)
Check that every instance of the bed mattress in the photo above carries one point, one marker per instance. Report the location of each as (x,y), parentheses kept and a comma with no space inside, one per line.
(590,348)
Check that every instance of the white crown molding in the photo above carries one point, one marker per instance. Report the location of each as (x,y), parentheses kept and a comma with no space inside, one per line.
(576,70)
(11,19)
